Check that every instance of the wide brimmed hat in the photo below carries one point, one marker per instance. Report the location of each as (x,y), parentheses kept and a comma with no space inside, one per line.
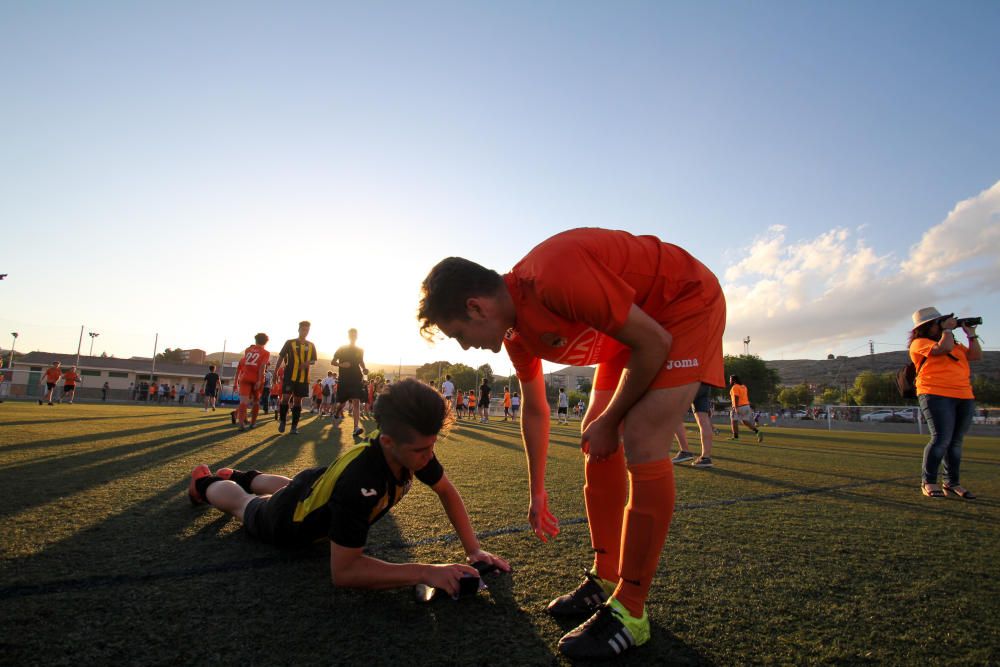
(925,315)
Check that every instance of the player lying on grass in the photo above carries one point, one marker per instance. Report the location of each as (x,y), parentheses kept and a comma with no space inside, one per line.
(341,502)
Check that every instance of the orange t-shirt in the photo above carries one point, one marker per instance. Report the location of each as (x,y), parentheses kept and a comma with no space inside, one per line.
(739,395)
(252,364)
(506,399)
(318,390)
(572,291)
(472,401)
(70,378)
(52,375)
(941,375)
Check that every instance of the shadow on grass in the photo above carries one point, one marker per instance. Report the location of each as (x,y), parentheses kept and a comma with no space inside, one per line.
(39,481)
(76,420)
(152,581)
(105,435)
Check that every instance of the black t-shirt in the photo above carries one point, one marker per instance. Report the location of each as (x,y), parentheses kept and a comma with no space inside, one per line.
(350,495)
(484,395)
(211,381)
(354,355)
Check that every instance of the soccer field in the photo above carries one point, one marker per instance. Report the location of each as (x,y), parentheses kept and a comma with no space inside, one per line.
(813,547)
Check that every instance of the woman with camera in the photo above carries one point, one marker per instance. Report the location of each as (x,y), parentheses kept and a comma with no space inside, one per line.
(944,393)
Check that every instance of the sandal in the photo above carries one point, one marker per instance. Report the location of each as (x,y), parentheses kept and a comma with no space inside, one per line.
(959,491)
(931,493)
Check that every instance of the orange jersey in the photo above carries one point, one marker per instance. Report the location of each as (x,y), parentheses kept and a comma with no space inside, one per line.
(472,401)
(506,399)
(52,375)
(252,364)
(574,290)
(318,390)
(941,375)
(739,395)
(70,378)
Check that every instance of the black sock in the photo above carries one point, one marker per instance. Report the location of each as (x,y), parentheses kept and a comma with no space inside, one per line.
(296,411)
(201,485)
(283,411)
(245,478)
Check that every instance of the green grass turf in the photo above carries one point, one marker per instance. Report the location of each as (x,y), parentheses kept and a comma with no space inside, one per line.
(813,548)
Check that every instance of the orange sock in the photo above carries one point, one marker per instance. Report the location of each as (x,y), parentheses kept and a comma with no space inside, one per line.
(241,413)
(647,520)
(605,494)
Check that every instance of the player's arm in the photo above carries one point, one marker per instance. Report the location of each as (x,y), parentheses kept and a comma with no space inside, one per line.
(650,344)
(454,507)
(361,361)
(535,418)
(351,568)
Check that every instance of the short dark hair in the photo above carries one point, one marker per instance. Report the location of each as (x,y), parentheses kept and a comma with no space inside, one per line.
(734,379)
(305,323)
(260,338)
(211,367)
(446,288)
(409,408)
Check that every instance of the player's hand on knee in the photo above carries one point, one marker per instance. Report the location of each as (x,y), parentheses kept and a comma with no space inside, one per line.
(600,439)
(446,577)
(543,522)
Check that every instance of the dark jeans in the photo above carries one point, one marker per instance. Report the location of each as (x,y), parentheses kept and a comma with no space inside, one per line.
(947,419)
(265,398)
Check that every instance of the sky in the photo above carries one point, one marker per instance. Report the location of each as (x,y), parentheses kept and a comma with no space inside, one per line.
(205,171)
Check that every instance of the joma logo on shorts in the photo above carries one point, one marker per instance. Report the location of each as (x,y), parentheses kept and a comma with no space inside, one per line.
(681,363)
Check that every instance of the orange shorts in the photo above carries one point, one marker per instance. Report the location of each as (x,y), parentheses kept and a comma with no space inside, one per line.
(246,389)
(696,324)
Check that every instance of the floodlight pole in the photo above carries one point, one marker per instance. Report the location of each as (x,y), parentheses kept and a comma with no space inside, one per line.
(156,344)
(10,360)
(746,346)
(78,346)
(93,335)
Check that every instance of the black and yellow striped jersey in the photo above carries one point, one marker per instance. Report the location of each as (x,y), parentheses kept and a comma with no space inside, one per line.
(296,357)
(344,499)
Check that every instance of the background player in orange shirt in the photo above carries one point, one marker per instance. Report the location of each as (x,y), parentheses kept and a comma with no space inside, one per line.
(49,378)
(250,380)
(740,397)
(652,317)
(70,379)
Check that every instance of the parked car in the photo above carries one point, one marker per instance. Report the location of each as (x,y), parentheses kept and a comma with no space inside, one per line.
(907,416)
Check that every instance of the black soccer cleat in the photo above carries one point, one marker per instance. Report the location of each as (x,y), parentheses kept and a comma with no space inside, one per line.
(606,634)
(584,601)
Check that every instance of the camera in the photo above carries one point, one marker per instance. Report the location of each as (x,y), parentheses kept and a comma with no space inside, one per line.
(969,321)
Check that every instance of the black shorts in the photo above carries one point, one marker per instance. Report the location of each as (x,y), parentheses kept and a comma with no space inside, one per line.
(269,518)
(701,399)
(300,389)
(50,385)
(562,411)
(68,388)
(210,393)
(347,391)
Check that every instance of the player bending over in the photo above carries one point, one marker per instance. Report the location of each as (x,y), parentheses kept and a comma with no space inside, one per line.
(651,316)
(340,502)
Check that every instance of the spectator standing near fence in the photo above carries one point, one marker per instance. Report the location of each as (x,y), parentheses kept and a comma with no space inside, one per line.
(701,407)
(945,396)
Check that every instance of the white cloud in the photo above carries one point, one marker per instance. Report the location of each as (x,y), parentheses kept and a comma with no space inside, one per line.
(817,293)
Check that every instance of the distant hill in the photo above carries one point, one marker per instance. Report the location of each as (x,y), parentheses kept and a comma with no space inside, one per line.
(842,370)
